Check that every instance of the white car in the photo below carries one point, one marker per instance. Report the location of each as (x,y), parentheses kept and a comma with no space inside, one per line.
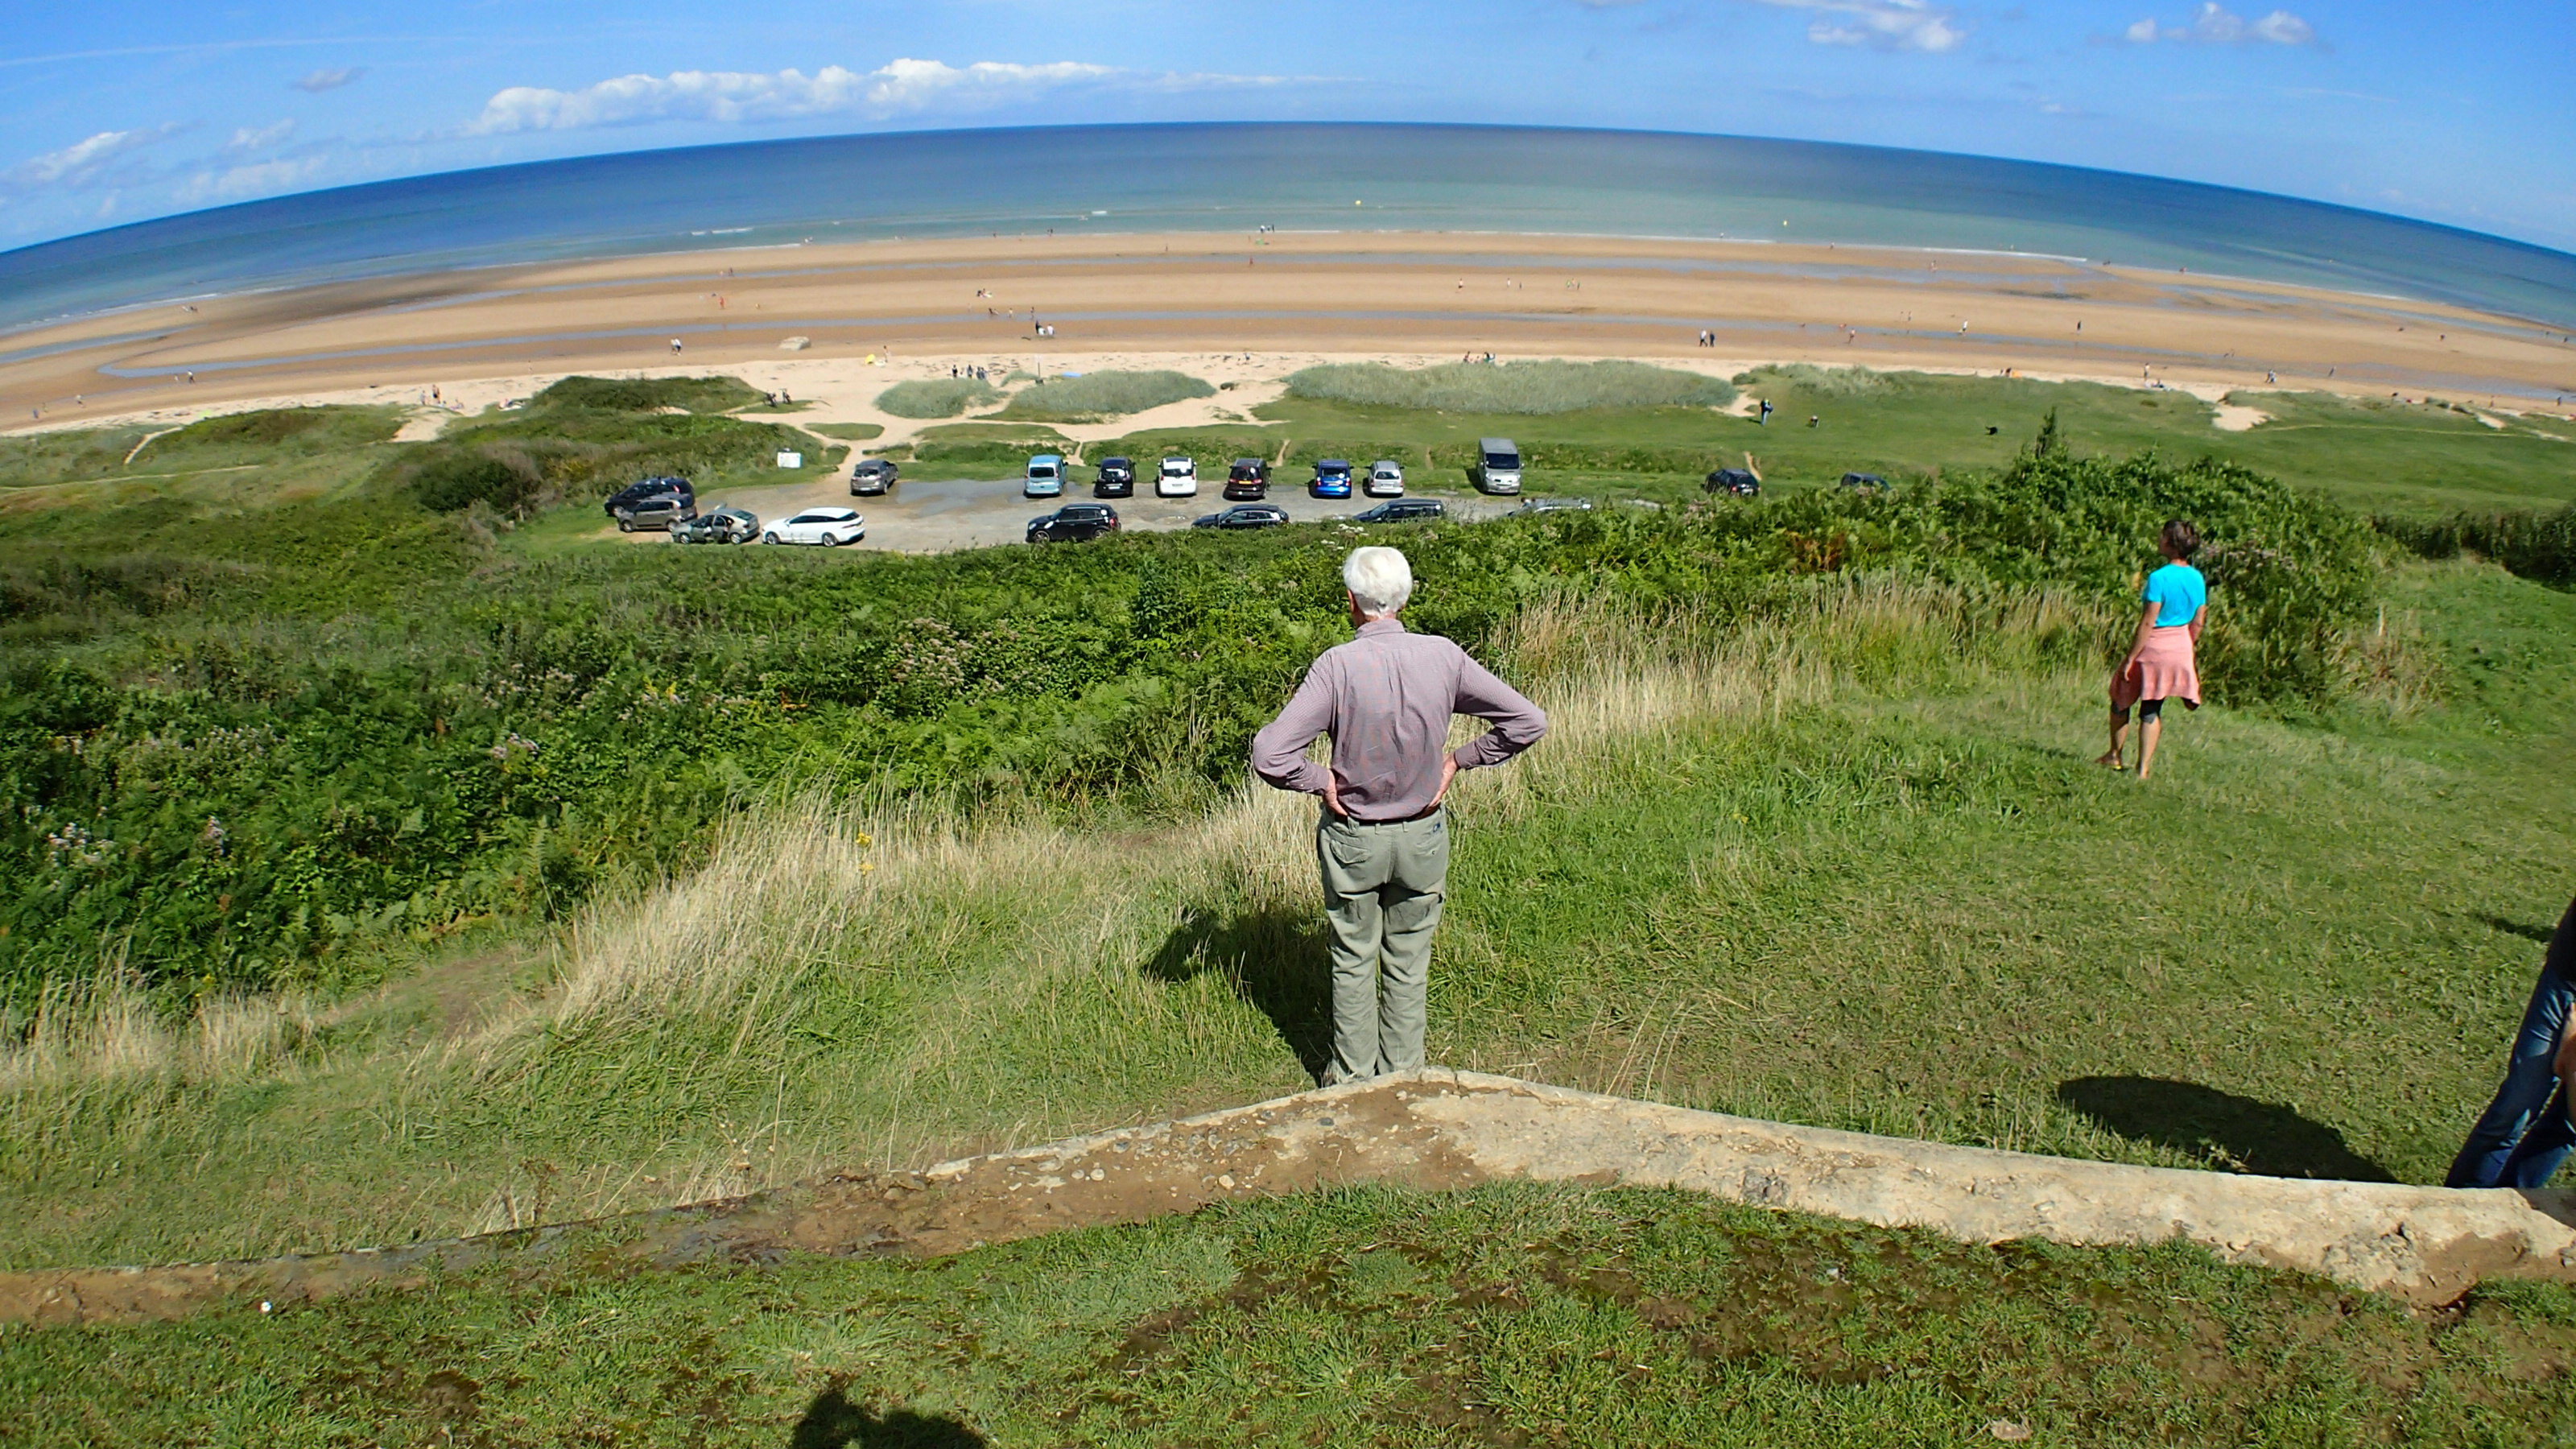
(1178,478)
(1385,479)
(830,527)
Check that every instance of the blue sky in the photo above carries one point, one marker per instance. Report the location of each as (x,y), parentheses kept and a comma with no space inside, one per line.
(2460,113)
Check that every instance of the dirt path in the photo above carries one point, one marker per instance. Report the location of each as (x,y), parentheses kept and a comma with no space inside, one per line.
(1435,1130)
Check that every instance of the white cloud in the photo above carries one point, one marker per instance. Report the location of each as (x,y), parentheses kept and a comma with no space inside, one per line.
(901,87)
(2216,25)
(328,79)
(1881,24)
(238,183)
(80,163)
(245,140)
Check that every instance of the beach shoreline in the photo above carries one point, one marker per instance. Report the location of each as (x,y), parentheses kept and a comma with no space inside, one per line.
(873,313)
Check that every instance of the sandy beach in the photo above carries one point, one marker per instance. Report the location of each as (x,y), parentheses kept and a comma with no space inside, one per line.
(1248,310)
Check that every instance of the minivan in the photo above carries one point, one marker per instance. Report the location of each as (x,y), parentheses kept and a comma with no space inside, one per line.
(1332,479)
(1498,465)
(1177,478)
(1248,481)
(1046,476)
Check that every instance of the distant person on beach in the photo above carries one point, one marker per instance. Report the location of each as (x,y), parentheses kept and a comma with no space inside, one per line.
(675,345)
(1765,419)
(2526,1131)
(2160,663)
(1382,842)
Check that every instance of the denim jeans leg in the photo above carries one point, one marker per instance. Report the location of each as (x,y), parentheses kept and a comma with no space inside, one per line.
(2522,1106)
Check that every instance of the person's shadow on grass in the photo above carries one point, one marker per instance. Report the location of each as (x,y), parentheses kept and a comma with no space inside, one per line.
(832,1422)
(1276,960)
(2238,1133)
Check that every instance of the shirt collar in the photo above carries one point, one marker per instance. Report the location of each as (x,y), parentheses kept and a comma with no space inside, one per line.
(1388,625)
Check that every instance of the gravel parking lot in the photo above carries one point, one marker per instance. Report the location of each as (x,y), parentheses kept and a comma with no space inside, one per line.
(935,516)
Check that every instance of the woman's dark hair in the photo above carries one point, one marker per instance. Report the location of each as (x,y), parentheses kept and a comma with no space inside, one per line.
(2181,539)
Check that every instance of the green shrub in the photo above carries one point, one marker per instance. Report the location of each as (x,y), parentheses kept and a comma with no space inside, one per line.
(449,479)
(2534,545)
(847,432)
(1520,387)
(1094,396)
(938,397)
(649,394)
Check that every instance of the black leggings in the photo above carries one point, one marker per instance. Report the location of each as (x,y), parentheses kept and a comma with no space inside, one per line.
(2150,709)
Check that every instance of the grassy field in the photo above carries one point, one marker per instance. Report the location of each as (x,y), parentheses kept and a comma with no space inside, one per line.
(1502,1316)
(597,879)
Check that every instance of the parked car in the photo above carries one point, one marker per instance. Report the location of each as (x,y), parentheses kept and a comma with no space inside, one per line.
(1178,478)
(1400,510)
(1864,481)
(830,527)
(873,475)
(1553,505)
(1245,515)
(1115,478)
(1074,523)
(725,525)
(1498,466)
(652,503)
(1332,479)
(1046,476)
(1736,481)
(1385,479)
(1248,480)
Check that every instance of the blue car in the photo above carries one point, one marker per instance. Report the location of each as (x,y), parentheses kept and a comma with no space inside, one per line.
(1332,479)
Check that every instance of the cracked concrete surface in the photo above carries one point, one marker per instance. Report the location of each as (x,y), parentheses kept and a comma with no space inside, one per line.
(1438,1129)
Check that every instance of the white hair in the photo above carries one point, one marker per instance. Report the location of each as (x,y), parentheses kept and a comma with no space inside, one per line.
(1379,579)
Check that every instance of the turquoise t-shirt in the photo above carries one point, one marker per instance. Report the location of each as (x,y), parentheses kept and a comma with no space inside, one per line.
(2178,592)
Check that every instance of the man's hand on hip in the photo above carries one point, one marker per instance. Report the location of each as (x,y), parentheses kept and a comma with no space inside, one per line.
(1448,772)
(1333,795)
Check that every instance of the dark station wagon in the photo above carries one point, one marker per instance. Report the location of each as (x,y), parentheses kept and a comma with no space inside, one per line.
(1074,523)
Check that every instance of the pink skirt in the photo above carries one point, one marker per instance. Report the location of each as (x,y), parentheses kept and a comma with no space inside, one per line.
(2164,671)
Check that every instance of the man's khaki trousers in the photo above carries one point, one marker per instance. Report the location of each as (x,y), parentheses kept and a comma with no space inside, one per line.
(1382,892)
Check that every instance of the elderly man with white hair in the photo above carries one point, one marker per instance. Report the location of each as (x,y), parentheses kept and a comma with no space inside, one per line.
(1386,698)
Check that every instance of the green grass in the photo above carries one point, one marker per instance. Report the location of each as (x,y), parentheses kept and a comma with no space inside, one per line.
(847,432)
(937,398)
(1506,1315)
(1095,396)
(1515,388)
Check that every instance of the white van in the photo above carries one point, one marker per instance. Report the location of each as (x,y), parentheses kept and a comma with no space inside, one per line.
(1498,465)
(1177,478)
(1046,476)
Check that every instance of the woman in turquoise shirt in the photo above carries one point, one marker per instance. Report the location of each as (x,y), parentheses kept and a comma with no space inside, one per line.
(2159,665)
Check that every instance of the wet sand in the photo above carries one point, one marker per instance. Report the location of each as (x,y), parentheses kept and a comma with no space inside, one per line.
(1247,310)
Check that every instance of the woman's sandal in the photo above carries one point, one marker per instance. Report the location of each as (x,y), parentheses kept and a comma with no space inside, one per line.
(2110,761)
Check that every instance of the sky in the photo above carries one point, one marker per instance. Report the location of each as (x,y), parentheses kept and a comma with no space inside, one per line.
(2463,114)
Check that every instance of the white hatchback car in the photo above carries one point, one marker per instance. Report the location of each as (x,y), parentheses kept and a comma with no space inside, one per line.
(830,527)
(1178,478)
(1385,479)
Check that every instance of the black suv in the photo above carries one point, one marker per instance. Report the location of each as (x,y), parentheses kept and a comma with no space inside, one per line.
(872,475)
(1116,478)
(1736,481)
(1248,481)
(1400,510)
(1074,523)
(652,503)
(1864,482)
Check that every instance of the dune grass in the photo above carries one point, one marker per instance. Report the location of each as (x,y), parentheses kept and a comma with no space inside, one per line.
(1096,396)
(1510,1315)
(1851,869)
(943,397)
(1519,387)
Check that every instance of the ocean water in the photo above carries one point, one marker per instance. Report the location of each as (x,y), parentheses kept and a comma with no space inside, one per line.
(1293,177)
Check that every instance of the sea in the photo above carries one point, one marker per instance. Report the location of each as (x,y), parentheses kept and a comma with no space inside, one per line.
(1305,178)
